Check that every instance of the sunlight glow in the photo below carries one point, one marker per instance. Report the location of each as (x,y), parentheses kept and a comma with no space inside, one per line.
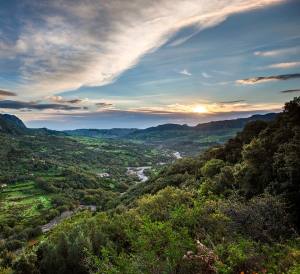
(200,109)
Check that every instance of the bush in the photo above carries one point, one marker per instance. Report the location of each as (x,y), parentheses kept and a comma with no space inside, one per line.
(212,167)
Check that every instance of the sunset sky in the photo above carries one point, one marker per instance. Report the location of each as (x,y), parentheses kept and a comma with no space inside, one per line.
(68,64)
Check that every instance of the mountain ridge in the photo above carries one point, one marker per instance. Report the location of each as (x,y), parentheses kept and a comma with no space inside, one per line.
(238,122)
(184,139)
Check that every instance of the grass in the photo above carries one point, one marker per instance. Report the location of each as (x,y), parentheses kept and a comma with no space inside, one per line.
(23,201)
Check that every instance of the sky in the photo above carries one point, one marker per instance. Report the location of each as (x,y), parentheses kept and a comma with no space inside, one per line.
(67,64)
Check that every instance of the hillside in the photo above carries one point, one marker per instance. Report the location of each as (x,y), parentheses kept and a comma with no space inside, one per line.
(45,174)
(11,124)
(232,209)
(188,140)
(101,133)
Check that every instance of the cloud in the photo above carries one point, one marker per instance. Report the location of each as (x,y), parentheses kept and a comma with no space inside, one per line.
(117,119)
(9,104)
(60,99)
(205,75)
(263,79)
(182,40)
(232,102)
(185,72)
(290,90)
(66,44)
(103,105)
(278,52)
(6,93)
(209,107)
(285,65)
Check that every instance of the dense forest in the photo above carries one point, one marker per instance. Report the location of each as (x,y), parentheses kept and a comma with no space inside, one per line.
(231,209)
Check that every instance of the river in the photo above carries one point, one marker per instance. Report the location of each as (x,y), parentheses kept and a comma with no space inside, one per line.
(139,172)
(177,155)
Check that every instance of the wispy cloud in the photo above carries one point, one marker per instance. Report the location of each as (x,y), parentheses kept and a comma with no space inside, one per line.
(263,79)
(104,105)
(60,99)
(218,107)
(278,52)
(290,90)
(182,40)
(10,104)
(285,65)
(114,36)
(206,75)
(145,117)
(185,72)
(6,93)
(232,102)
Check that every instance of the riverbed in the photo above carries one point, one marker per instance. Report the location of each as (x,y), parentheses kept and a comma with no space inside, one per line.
(139,172)
(177,155)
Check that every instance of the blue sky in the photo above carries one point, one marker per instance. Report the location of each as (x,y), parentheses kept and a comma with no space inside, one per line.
(103,64)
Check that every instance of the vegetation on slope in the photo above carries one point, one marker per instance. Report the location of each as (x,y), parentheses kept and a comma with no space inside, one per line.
(43,175)
(233,209)
(188,140)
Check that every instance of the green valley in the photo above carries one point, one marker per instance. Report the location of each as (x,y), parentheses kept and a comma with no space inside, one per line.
(78,204)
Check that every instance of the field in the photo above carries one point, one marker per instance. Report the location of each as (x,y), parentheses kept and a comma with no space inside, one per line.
(23,203)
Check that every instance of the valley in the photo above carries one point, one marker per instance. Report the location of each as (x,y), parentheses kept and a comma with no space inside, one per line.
(74,190)
(149,137)
(184,139)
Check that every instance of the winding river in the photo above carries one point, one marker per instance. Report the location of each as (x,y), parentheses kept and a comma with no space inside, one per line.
(177,155)
(139,172)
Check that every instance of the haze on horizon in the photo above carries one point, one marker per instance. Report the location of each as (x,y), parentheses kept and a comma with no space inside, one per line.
(102,64)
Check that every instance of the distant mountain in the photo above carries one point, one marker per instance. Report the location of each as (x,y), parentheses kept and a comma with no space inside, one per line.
(235,123)
(11,124)
(143,133)
(166,127)
(214,126)
(188,140)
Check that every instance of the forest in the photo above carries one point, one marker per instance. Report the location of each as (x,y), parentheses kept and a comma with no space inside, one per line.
(233,208)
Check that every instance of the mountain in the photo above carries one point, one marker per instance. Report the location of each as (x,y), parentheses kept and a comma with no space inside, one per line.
(11,124)
(236,123)
(188,140)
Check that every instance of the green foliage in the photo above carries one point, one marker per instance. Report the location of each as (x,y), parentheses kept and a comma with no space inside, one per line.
(234,208)
(158,247)
(212,168)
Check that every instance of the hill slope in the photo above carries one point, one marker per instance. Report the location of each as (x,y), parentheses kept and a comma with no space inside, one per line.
(188,140)
(232,209)
(11,124)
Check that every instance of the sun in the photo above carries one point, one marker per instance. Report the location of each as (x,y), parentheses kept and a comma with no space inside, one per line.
(200,109)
